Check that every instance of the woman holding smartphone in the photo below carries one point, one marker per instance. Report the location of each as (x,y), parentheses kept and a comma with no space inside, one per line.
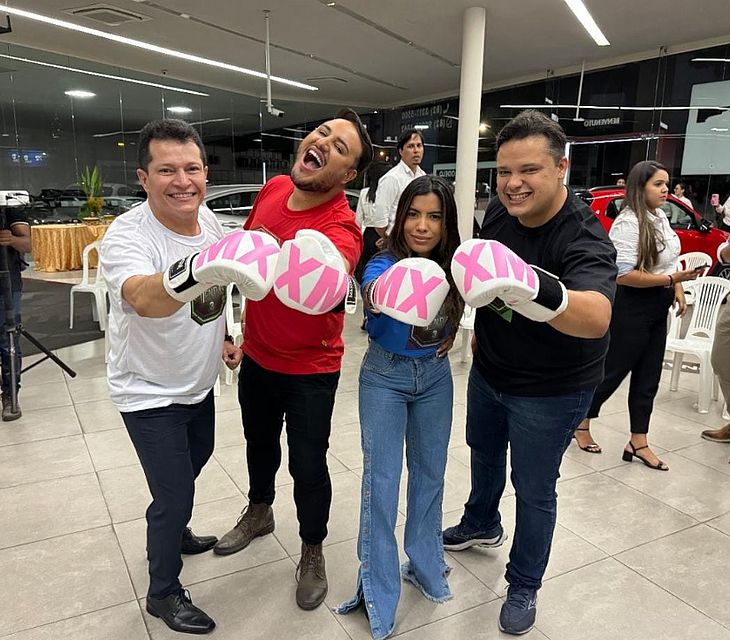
(647,249)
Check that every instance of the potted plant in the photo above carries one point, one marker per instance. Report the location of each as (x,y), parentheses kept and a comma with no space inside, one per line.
(91,184)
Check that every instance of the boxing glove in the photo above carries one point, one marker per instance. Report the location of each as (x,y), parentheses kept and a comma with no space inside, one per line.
(310,274)
(245,258)
(486,269)
(412,291)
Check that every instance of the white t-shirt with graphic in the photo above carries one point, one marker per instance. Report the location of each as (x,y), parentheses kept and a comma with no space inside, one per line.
(155,362)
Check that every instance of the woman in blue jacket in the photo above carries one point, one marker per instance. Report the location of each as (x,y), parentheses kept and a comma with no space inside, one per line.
(406,395)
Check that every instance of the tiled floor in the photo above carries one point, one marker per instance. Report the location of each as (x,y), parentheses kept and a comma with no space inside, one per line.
(638,554)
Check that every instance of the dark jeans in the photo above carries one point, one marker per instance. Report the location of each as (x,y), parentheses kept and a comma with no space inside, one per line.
(538,430)
(5,344)
(306,401)
(173,444)
(638,338)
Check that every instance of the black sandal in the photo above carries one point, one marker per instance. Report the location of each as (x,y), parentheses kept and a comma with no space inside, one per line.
(630,455)
(593,447)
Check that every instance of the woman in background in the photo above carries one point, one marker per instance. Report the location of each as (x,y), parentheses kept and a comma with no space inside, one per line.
(647,249)
(372,228)
(723,214)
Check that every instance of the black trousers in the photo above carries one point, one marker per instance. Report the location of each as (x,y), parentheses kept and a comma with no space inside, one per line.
(306,402)
(173,444)
(370,237)
(638,337)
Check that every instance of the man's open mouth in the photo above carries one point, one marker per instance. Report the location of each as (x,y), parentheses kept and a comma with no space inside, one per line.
(313,159)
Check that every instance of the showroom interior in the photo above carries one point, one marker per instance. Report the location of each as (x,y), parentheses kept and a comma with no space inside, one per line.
(635,556)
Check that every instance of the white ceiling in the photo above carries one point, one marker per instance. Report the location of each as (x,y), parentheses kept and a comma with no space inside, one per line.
(358,52)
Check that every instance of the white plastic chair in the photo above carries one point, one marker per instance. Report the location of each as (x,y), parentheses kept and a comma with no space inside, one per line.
(694,259)
(466,327)
(708,293)
(97,287)
(233,326)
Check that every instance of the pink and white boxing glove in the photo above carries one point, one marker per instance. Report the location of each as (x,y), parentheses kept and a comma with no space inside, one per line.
(486,269)
(412,291)
(245,258)
(311,275)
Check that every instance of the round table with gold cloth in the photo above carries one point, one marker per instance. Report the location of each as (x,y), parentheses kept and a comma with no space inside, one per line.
(58,247)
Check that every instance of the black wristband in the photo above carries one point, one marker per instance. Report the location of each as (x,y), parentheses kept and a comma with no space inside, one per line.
(550,293)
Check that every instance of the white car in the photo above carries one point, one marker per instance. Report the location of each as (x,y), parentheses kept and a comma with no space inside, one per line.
(231,203)
(14,198)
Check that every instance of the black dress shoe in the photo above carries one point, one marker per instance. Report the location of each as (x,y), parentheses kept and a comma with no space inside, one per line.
(179,613)
(192,544)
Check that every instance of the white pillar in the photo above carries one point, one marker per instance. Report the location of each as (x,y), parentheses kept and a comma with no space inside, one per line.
(470,102)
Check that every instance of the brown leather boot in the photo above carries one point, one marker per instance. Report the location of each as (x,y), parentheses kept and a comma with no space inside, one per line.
(717,435)
(256,520)
(311,576)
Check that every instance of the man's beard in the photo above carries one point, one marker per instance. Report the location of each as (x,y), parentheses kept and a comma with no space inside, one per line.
(316,185)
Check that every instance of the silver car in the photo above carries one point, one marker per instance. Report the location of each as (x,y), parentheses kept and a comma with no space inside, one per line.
(231,203)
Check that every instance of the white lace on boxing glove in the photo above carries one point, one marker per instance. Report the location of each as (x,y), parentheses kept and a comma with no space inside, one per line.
(412,291)
(486,269)
(245,258)
(310,274)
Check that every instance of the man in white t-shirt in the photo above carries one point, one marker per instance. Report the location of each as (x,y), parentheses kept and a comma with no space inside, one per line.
(166,335)
(391,185)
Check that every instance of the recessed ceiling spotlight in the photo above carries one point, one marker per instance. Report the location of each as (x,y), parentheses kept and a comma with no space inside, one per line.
(79,93)
(179,109)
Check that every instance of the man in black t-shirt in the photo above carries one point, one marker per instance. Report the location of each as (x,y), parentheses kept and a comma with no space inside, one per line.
(542,277)
(16,237)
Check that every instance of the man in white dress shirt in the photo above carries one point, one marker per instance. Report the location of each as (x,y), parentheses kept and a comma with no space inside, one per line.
(410,148)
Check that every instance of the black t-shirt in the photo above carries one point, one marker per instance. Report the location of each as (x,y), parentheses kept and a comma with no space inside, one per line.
(15,216)
(526,358)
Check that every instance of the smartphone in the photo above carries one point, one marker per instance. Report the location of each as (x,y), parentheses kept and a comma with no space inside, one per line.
(702,267)
(715,199)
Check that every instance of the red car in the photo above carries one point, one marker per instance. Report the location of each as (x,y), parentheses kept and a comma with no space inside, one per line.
(695,232)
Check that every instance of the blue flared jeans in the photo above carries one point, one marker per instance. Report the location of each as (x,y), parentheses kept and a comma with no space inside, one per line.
(538,430)
(402,399)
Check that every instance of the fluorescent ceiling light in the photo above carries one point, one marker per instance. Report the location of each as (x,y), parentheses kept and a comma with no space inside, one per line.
(127,133)
(719,129)
(589,24)
(420,126)
(643,138)
(612,108)
(179,109)
(148,46)
(104,75)
(79,93)
(711,60)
